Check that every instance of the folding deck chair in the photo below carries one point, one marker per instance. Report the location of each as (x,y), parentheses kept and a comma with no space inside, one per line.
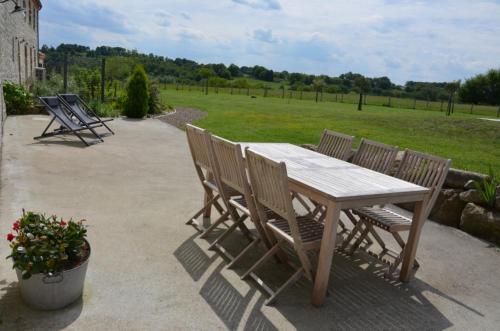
(269,182)
(230,174)
(79,107)
(418,168)
(67,125)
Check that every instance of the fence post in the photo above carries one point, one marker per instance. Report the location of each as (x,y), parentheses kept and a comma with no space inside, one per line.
(103,77)
(231,90)
(65,73)
(336,97)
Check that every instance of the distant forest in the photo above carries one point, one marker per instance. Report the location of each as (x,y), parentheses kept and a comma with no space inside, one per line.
(120,62)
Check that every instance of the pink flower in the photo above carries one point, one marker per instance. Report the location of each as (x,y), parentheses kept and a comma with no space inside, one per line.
(10,237)
(63,223)
(16,226)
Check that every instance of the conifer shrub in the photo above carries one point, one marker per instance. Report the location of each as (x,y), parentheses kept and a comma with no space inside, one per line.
(136,103)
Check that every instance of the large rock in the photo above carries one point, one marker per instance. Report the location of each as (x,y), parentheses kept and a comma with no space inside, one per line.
(459,178)
(448,207)
(481,222)
(472,196)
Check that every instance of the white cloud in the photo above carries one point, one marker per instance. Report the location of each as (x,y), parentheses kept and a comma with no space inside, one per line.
(437,40)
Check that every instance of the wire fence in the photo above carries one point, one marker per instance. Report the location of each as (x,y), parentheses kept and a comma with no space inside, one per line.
(87,76)
(350,98)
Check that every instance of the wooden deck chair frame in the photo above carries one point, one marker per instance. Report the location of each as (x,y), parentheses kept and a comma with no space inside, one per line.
(269,182)
(59,114)
(378,157)
(418,168)
(230,174)
(78,106)
(197,141)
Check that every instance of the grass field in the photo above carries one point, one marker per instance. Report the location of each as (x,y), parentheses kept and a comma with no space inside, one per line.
(471,143)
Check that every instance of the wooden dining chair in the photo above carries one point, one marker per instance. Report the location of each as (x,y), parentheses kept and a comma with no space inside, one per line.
(335,144)
(269,182)
(339,146)
(197,140)
(418,168)
(374,156)
(230,174)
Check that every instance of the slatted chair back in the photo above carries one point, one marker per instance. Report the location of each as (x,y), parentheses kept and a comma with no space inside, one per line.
(335,144)
(197,140)
(375,156)
(230,172)
(269,182)
(229,160)
(424,170)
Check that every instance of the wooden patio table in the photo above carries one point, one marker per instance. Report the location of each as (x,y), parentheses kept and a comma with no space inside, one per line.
(339,185)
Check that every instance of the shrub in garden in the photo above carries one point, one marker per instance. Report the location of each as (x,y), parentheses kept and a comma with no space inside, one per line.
(154,100)
(46,245)
(136,104)
(17,99)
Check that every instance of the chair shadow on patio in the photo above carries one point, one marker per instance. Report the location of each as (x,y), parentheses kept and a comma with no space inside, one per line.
(361,298)
(16,315)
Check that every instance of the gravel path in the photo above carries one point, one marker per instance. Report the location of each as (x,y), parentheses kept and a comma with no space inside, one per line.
(181,116)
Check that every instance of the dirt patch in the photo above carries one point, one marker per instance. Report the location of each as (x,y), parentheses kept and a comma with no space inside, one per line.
(181,116)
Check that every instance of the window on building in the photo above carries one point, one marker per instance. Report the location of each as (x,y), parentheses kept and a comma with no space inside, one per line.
(34,16)
(14,49)
(25,62)
(29,12)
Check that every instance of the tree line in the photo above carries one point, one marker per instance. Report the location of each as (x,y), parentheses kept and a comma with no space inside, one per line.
(482,89)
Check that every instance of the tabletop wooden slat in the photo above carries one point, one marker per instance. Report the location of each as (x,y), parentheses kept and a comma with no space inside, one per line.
(337,179)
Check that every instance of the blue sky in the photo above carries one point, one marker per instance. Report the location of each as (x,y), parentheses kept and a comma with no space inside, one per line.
(404,40)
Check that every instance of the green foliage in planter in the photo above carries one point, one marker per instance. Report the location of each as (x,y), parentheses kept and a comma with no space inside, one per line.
(45,244)
(136,104)
(154,100)
(487,188)
(17,99)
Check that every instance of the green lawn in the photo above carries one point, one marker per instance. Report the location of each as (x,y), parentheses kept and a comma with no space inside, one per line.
(471,143)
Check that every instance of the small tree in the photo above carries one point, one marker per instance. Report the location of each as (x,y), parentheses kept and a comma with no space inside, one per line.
(206,73)
(362,85)
(154,100)
(136,104)
(318,84)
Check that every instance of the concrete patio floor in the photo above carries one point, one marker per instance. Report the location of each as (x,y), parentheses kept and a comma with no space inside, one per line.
(148,271)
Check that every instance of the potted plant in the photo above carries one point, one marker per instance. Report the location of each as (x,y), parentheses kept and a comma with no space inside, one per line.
(50,256)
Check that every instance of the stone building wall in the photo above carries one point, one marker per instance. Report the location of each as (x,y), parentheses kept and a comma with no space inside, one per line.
(18,47)
(19,41)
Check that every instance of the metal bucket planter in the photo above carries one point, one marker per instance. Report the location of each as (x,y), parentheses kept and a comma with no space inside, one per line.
(46,292)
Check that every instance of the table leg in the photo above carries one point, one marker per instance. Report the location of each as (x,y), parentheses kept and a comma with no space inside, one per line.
(207,213)
(326,253)
(410,249)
